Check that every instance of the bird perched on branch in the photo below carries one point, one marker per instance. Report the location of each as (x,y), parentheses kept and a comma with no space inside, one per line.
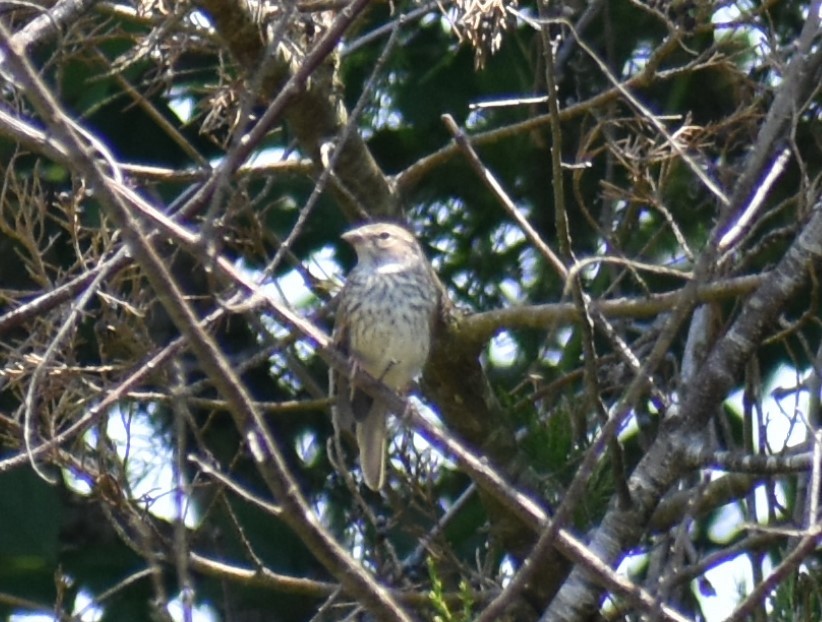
(384,322)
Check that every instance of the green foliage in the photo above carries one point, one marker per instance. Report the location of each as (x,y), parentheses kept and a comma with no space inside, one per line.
(29,538)
(439,601)
(798,598)
(636,211)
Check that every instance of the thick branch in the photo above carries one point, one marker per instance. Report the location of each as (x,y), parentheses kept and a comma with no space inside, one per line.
(666,460)
(481,326)
(316,113)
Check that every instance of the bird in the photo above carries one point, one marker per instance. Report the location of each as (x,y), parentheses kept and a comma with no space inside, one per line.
(384,323)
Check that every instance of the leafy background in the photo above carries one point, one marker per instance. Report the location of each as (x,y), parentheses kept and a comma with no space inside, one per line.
(163,161)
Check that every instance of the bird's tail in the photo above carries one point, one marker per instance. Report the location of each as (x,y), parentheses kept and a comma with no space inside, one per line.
(371,439)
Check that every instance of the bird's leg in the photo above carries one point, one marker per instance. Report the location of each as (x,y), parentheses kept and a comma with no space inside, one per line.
(354,367)
(387,369)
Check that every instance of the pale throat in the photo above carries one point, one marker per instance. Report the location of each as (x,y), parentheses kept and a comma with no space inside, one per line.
(391,266)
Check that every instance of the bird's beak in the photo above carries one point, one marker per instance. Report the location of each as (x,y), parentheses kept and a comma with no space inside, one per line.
(352,237)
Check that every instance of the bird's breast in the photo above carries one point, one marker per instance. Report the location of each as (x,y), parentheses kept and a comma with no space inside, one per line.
(389,324)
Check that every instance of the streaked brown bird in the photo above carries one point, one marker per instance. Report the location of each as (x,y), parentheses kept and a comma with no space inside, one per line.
(384,323)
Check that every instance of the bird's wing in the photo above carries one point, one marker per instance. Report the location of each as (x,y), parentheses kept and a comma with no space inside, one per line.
(339,385)
(352,404)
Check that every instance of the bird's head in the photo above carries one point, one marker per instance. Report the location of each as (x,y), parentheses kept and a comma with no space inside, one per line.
(383,246)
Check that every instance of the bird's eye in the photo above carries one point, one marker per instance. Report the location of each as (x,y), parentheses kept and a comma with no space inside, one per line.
(384,235)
